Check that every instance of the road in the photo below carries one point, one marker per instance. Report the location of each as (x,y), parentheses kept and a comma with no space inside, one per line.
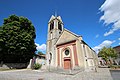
(115,74)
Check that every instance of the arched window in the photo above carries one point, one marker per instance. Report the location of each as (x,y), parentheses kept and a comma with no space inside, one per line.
(59,26)
(84,50)
(51,25)
(50,58)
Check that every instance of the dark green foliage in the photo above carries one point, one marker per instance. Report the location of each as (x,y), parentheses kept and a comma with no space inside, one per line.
(37,66)
(17,36)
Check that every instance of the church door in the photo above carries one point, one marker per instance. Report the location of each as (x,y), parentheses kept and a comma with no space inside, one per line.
(67,64)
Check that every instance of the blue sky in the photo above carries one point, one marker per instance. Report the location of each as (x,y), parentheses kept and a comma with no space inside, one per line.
(93,19)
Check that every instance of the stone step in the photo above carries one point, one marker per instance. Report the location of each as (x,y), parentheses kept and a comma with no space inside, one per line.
(67,72)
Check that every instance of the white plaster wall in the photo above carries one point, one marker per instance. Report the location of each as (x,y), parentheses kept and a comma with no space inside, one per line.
(66,37)
(41,61)
(72,56)
(84,55)
(60,52)
(80,54)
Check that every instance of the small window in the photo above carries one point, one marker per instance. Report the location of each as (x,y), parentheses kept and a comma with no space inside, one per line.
(59,32)
(83,46)
(50,58)
(51,25)
(67,52)
(59,26)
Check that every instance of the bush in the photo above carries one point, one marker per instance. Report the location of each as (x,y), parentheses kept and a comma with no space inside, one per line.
(37,66)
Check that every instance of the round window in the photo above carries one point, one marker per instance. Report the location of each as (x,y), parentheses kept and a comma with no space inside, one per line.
(66,52)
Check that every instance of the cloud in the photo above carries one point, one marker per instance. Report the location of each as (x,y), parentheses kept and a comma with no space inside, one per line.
(97,36)
(105,43)
(118,38)
(111,9)
(41,47)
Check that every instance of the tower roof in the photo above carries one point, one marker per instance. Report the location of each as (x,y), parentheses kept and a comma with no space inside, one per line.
(55,17)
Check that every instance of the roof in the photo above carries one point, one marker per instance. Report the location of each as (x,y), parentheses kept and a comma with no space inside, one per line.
(40,55)
(68,32)
(72,33)
(87,45)
(55,17)
(117,48)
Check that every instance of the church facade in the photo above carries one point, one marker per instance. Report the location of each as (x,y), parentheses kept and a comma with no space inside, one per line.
(66,50)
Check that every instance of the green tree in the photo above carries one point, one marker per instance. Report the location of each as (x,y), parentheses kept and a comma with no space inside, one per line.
(107,54)
(17,36)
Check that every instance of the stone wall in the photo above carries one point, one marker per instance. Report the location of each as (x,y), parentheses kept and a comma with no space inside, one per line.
(14,65)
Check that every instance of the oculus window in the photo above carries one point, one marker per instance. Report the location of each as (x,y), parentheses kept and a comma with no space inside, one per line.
(67,52)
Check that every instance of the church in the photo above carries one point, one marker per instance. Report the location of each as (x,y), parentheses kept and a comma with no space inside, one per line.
(66,50)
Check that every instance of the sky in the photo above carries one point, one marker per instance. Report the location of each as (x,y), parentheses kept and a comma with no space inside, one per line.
(98,21)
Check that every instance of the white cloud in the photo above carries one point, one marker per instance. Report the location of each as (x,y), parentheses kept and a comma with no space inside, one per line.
(111,9)
(97,36)
(41,47)
(118,38)
(105,43)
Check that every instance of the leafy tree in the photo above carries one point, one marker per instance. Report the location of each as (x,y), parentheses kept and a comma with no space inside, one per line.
(107,54)
(17,36)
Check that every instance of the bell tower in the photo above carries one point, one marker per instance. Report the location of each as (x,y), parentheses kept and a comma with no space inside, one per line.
(55,28)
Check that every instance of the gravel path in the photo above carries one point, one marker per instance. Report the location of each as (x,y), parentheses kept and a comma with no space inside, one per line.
(45,75)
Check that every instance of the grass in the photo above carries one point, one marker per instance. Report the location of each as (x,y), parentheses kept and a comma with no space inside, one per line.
(114,66)
(2,69)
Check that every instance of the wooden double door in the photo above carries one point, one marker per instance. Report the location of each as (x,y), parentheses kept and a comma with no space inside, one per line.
(67,64)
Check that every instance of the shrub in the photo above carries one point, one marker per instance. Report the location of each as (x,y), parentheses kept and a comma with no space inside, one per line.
(37,66)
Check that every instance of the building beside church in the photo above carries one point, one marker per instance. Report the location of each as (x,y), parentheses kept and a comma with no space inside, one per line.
(117,49)
(66,50)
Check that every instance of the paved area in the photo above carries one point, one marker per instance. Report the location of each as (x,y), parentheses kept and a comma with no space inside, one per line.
(115,74)
(102,74)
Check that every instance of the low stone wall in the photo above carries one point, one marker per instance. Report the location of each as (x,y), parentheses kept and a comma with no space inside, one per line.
(14,65)
(37,60)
